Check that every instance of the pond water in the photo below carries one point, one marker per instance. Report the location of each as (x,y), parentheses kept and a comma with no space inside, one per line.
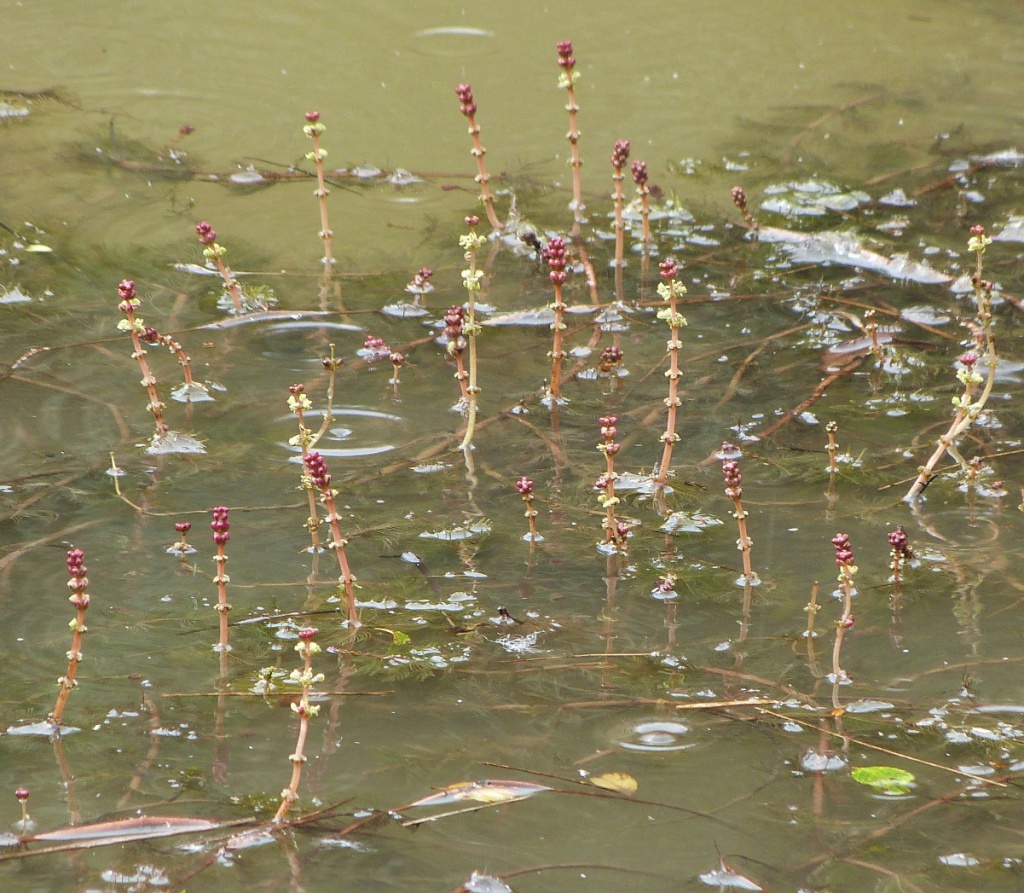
(869,141)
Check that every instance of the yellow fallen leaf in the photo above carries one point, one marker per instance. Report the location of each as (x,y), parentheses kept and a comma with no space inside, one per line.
(38,249)
(615,781)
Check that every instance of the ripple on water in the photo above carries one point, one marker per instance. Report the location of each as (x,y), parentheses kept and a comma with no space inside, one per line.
(355,432)
(656,736)
(454,41)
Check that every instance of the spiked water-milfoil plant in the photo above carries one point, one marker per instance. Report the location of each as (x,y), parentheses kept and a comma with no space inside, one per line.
(467,105)
(307,649)
(670,289)
(321,479)
(471,278)
(79,598)
(968,405)
(215,252)
(314,129)
(567,81)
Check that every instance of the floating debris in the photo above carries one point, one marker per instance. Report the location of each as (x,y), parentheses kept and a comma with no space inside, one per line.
(456,534)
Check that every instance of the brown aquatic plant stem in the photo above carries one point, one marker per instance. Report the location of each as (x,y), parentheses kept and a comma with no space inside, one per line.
(967,408)
(670,289)
(221,527)
(456,341)
(620,155)
(639,169)
(468,108)
(811,609)
(79,598)
(470,243)
(307,649)
(317,470)
(212,251)
(300,404)
(847,571)
(555,254)
(615,532)
(900,553)
(733,480)
(313,129)
(129,303)
(525,487)
(739,199)
(567,81)
(152,336)
(832,447)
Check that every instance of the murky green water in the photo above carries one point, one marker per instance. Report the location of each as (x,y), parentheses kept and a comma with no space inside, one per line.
(821,114)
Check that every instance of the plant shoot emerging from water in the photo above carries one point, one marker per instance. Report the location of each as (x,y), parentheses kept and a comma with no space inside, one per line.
(456,344)
(321,479)
(968,406)
(471,278)
(670,289)
(616,532)
(468,108)
(525,487)
(639,169)
(129,303)
(847,571)
(307,649)
(215,252)
(620,156)
(734,490)
(567,81)
(313,129)
(555,255)
(79,598)
(221,527)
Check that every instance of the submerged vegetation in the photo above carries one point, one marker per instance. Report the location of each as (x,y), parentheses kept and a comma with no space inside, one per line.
(629,647)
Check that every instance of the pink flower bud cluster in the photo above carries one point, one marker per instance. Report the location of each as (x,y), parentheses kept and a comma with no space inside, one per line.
(525,487)
(465,94)
(620,154)
(639,169)
(207,234)
(126,292)
(898,540)
(565,57)
(733,478)
(183,527)
(312,117)
(667,270)
(453,319)
(608,432)
(79,582)
(317,468)
(844,553)
(610,356)
(555,255)
(220,525)
(739,197)
(421,281)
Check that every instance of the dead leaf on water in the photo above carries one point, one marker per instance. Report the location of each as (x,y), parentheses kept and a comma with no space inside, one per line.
(489,790)
(619,782)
